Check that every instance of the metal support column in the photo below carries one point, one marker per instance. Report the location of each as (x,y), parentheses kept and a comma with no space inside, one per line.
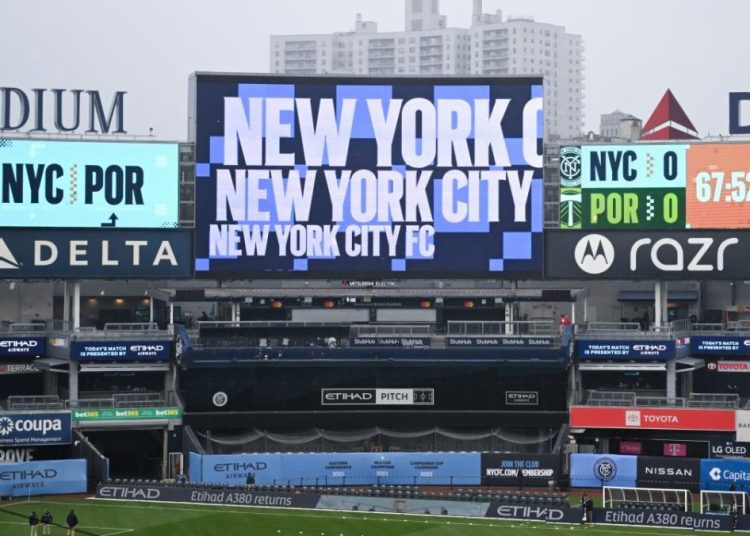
(671,379)
(73,381)
(660,304)
(76,305)
(66,305)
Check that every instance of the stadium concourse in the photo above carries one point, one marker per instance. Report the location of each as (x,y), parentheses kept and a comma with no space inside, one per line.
(374,295)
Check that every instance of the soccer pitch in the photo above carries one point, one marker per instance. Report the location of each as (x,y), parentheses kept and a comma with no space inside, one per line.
(112,518)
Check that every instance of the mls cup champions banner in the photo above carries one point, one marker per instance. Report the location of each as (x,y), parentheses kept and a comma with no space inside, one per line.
(327,176)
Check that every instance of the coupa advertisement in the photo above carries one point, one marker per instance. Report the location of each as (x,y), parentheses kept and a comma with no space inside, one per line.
(23,429)
(341,469)
(43,478)
(373,177)
(88,184)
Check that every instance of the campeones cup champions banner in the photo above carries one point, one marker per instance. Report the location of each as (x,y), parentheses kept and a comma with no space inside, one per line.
(338,176)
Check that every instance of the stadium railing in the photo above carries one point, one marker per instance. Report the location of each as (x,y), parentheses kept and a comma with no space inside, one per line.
(596,397)
(34,403)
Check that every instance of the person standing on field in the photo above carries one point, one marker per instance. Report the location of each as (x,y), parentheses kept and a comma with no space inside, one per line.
(33,523)
(46,522)
(72,522)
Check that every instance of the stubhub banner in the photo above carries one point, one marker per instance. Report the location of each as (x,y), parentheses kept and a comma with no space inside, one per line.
(94,253)
(23,429)
(374,177)
(42,478)
(360,468)
(719,474)
(120,350)
(597,470)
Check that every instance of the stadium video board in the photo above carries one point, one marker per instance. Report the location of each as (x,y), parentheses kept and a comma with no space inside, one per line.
(50,183)
(374,177)
(655,186)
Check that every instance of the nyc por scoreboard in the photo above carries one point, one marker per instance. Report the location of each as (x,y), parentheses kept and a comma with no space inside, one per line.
(655,186)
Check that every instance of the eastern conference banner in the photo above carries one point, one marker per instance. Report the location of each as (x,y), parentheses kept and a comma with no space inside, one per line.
(88,184)
(655,186)
(351,468)
(368,176)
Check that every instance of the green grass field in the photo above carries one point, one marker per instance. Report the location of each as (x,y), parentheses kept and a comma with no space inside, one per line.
(112,518)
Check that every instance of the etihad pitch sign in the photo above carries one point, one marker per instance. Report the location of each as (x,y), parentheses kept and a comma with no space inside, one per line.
(21,429)
(377,397)
(715,420)
(368,177)
(653,255)
(94,253)
(45,183)
(113,351)
(22,346)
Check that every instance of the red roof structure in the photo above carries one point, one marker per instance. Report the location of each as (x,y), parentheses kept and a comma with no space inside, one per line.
(669,122)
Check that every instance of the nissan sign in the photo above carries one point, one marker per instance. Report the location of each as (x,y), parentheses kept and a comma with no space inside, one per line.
(680,254)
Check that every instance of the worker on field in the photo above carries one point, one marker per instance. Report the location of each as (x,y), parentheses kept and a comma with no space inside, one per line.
(72,522)
(46,522)
(33,523)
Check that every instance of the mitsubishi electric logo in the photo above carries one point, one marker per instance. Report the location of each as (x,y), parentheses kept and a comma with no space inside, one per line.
(594,254)
(7,260)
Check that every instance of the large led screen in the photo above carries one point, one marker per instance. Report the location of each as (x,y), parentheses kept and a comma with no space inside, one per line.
(48,183)
(329,176)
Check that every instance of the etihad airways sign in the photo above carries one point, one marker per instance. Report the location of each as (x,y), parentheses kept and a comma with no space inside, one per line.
(716,420)
(94,253)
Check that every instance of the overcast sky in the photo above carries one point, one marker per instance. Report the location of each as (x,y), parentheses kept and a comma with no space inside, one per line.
(634,49)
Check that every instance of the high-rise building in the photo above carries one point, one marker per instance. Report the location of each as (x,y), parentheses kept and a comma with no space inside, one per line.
(491,46)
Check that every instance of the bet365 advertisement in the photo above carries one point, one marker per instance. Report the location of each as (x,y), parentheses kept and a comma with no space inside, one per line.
(335,176)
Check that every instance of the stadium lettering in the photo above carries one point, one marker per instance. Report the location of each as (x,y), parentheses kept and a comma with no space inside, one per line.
(46,253)
(15,99)
(662,419)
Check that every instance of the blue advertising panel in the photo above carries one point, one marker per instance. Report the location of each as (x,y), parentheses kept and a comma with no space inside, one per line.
(719,474)
(645,349)
(42,478)
(597,470)
(367,177)
(22,429)
(94,253)
(720,345)
(357,468)
(120,350)
(232,469)
(88,184)
(20,346)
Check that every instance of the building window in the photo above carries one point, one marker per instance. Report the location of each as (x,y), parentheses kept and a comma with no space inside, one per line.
(416,6)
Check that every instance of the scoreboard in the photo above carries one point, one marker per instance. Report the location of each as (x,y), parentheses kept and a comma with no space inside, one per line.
(655,186)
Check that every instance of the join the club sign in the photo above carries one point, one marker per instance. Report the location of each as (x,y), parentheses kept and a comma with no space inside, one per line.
(333,176)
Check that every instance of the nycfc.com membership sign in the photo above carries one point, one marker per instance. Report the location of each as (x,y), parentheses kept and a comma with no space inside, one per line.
(368,176)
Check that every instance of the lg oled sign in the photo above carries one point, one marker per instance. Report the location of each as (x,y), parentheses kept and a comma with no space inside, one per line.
(368,176)
(653,255)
